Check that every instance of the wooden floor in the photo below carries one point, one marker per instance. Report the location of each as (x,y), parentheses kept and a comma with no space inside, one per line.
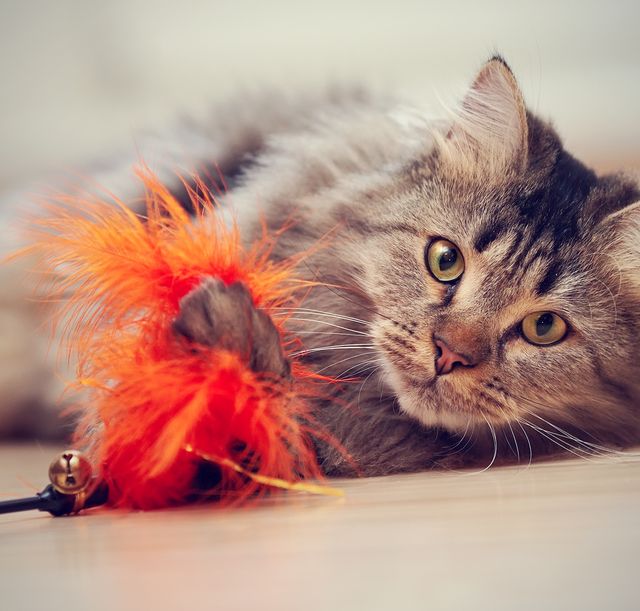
(563,535)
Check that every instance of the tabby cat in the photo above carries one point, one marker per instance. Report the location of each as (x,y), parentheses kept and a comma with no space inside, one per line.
(481,284)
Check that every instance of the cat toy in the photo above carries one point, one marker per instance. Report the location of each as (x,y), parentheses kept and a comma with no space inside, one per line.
(165,422)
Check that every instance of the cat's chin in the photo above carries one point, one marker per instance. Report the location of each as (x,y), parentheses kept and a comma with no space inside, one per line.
(429,413)
(454,422)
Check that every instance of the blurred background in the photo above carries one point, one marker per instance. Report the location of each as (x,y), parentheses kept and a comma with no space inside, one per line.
(80,79)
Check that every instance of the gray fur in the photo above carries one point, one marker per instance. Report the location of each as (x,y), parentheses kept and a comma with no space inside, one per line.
(373,183)
(563,240)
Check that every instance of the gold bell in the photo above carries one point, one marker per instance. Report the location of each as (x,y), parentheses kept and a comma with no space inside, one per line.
(70,472)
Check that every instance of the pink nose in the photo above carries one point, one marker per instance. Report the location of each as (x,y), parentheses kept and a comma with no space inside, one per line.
(447,359)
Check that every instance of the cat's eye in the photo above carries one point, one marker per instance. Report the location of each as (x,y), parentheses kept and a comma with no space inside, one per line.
(444,260)
(544,328)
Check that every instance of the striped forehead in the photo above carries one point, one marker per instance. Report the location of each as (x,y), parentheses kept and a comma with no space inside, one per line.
(539,226)
(514,263)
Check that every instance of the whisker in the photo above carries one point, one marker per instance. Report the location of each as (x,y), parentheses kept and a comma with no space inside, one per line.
(319,312)
(330,348)
(461,440)
(362,386)
(495,444)
(582,444)
(515,441)
(519,423)
(600,449)
(360,304)
(576,451)
(332,333)
(330,324)
(565,433)
(514,449)
(349,358)
(360,368)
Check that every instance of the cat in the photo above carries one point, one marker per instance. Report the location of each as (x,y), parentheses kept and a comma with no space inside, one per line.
(481,283)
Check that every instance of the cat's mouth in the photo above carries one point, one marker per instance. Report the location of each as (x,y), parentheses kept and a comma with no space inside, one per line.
(424,383)
(435,386)
(452,402)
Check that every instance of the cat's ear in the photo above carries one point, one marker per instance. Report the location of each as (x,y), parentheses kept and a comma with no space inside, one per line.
(624,223)
(620,240)
(491,125)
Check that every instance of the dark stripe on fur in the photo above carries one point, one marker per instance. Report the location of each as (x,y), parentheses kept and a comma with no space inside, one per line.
(489,234)
(550,279)
(555,207)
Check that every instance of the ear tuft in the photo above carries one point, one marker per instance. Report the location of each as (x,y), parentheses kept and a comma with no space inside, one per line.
(492,122)
(498,58)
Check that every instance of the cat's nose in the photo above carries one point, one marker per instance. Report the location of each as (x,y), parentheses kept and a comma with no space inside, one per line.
(447,359)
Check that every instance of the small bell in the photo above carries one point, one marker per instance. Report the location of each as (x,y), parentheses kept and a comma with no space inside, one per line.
(70,473)
(72,488)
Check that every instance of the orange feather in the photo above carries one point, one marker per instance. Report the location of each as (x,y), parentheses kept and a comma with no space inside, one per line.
(160,414)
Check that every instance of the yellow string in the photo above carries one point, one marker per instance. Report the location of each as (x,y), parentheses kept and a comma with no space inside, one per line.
(276,482)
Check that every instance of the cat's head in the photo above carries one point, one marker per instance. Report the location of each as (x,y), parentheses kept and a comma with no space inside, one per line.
(507,280)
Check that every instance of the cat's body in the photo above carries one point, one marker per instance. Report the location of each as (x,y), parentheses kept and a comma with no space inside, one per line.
(446,373)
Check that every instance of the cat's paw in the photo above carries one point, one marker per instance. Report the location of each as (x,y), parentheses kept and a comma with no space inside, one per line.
(214,314)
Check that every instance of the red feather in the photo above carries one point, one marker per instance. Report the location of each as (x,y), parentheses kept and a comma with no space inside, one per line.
(158,410)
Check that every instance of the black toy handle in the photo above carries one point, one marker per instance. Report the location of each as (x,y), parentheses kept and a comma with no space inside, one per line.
(56,503)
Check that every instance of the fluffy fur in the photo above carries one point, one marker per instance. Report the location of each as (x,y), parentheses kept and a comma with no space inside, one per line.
(537,229)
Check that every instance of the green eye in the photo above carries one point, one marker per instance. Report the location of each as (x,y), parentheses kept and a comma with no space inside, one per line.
(544,328)
(444,260)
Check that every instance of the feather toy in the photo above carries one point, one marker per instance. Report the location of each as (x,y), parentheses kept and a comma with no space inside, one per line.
(167,422)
